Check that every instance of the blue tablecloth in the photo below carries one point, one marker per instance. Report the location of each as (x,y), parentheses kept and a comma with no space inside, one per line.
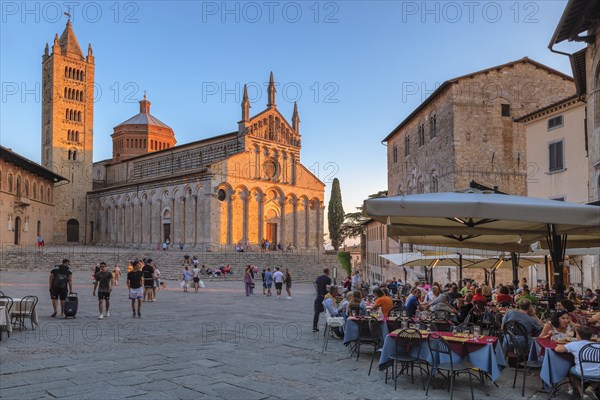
(487,357)
(555,367)
(351,329)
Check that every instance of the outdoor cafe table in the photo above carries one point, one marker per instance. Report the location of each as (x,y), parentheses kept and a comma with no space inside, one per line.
(555,366)
(16,307)
(5,319)
(351,332)
(484,353)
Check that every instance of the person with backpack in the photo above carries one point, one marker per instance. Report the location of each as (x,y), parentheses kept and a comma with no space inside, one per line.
(60,284)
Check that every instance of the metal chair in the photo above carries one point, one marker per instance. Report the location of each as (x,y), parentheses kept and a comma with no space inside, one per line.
(495,324)
(26,310)
(438,346)
(440,325)
(377,338)
(519,331)
(365,335)
(589,354)
(465,327)
(330,322)
(407,341)
(522,360)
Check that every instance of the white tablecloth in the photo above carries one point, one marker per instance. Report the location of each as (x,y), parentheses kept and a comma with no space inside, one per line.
(16,308)
(5,319)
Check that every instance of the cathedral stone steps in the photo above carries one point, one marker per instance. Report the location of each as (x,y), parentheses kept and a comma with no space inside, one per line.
(304,266)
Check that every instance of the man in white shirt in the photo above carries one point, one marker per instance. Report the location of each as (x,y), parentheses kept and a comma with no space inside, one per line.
(356,281)
(590,369)
(278,279)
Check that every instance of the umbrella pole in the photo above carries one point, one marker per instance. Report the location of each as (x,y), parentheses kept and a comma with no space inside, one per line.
(515,269)
(493,278)
(556,245)
(460,266)
(547,265)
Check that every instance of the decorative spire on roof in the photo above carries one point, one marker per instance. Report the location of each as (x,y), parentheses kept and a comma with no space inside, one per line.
(245,105)
(68,41)
(56,45)
(296,119)
(46,52)
(145,105)
(272,91)
(68,14)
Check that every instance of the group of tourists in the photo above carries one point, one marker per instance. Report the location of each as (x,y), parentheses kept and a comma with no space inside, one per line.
(268,277)
(143,280)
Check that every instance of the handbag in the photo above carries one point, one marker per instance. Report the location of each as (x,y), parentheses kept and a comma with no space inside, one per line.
(252,285)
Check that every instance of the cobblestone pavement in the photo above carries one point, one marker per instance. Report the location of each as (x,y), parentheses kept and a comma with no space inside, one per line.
(217,344)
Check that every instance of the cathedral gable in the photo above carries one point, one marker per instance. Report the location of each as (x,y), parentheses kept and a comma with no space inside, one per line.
(270,125)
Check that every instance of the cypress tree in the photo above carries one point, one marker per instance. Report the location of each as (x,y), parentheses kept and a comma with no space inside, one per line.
(335,214)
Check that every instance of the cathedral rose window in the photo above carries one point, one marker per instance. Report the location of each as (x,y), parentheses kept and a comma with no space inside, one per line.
(270,168)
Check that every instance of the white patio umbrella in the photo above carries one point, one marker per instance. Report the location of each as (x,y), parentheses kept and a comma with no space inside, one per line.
(419,259)
(489,221)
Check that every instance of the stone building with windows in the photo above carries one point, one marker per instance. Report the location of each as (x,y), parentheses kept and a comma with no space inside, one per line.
(465,130)
(67,130)
(26,199)
(556,152)
(243,187)
(558,170)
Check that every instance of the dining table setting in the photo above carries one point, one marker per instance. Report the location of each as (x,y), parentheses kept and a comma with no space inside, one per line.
(482,352)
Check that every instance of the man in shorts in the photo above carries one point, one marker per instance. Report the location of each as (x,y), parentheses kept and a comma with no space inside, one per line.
(269,281)
(134,284)
(147,271)
(103,281)
(278,279)
(196,276)
(61,283)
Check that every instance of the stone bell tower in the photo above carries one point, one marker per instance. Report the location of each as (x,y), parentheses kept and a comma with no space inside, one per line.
(67,131)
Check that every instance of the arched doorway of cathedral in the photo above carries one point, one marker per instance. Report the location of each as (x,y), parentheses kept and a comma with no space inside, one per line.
(166,224)
(18,230)
(72,230)
(272,220)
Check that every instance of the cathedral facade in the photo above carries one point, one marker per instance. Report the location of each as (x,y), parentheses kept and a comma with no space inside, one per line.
(245,186)
(241,187)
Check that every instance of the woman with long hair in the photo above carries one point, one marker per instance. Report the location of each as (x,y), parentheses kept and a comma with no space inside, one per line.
(248,281)
(356,303)
(559,326)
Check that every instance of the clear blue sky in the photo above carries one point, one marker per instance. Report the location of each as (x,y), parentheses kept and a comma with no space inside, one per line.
(356,68)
